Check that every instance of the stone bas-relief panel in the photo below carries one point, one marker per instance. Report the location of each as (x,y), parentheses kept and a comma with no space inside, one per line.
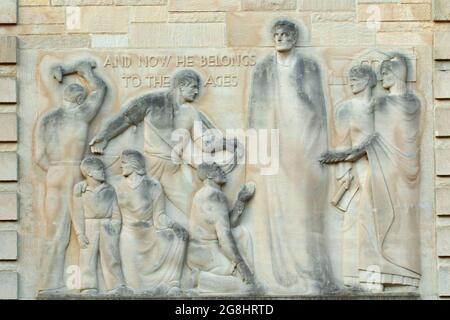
(135,169)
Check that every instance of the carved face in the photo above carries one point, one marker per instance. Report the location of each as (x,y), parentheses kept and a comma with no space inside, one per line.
(127,168)
(189,92)
(388,78)
(219,176)
(358,84)
(97,174)
(284,39)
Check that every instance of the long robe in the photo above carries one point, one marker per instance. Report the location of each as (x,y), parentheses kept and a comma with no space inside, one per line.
(354,124)
(286,214)
(152,255)
(391,237)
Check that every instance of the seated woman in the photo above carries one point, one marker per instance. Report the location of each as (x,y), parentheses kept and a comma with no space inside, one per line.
(152,245)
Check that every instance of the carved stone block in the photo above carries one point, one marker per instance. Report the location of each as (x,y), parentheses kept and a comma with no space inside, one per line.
(442,80)
(441,10)
(444,281)
(8,209)
(8,90)
(8,52)
(441,45)
(244,28)
(395,12)
(442,122)
(8,12)
(8,166)
(9,287)
(195,5)
(443,201)
(269,4)
(326,5)
(442,161)
(443,241)
(163,35)
(8,249)
(8,132)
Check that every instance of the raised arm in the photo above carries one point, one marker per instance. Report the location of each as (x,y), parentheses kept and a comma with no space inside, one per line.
(247,192)
(98,90)
(131,115)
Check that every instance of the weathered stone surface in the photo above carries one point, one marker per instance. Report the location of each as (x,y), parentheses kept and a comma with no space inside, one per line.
(197,17)
(394,12)
(442,80)
(326,5)
(442,162)
(148,14)
(41,15)
(8,209)
(8,90)
(158,35)
(9,287)
(8,131)
(195,5)
(8,168)
(81,2)
(29,3)
(8,50)
(8,249)
(441,10)
(441,45)
(404,38)
(250,29)
(106,19)
(443,241)
(8,12)
(54,41)
(26,3)
(259,5)
(336,34)
(109,41)
(443,201)
(444,281)
(139,2)
(442,121)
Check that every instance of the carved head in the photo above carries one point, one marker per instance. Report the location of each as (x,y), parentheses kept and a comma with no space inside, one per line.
(394,70)
(285,35)
(212,172)
(361,77)
(92,167)
(75,94)
(132,161)
(187,84)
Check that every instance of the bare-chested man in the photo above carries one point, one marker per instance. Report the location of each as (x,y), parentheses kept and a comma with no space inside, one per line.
(218,266)
(61,138)
(164,114)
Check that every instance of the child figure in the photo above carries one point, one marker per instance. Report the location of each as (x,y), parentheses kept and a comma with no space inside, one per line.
(97,223)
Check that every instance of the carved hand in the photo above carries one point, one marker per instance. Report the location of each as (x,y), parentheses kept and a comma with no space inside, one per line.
(246,274)
(247,192)
(80,188)
(84,67)
(57,73)
(180,232)
(98,145)
(331,157)
(83,241)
